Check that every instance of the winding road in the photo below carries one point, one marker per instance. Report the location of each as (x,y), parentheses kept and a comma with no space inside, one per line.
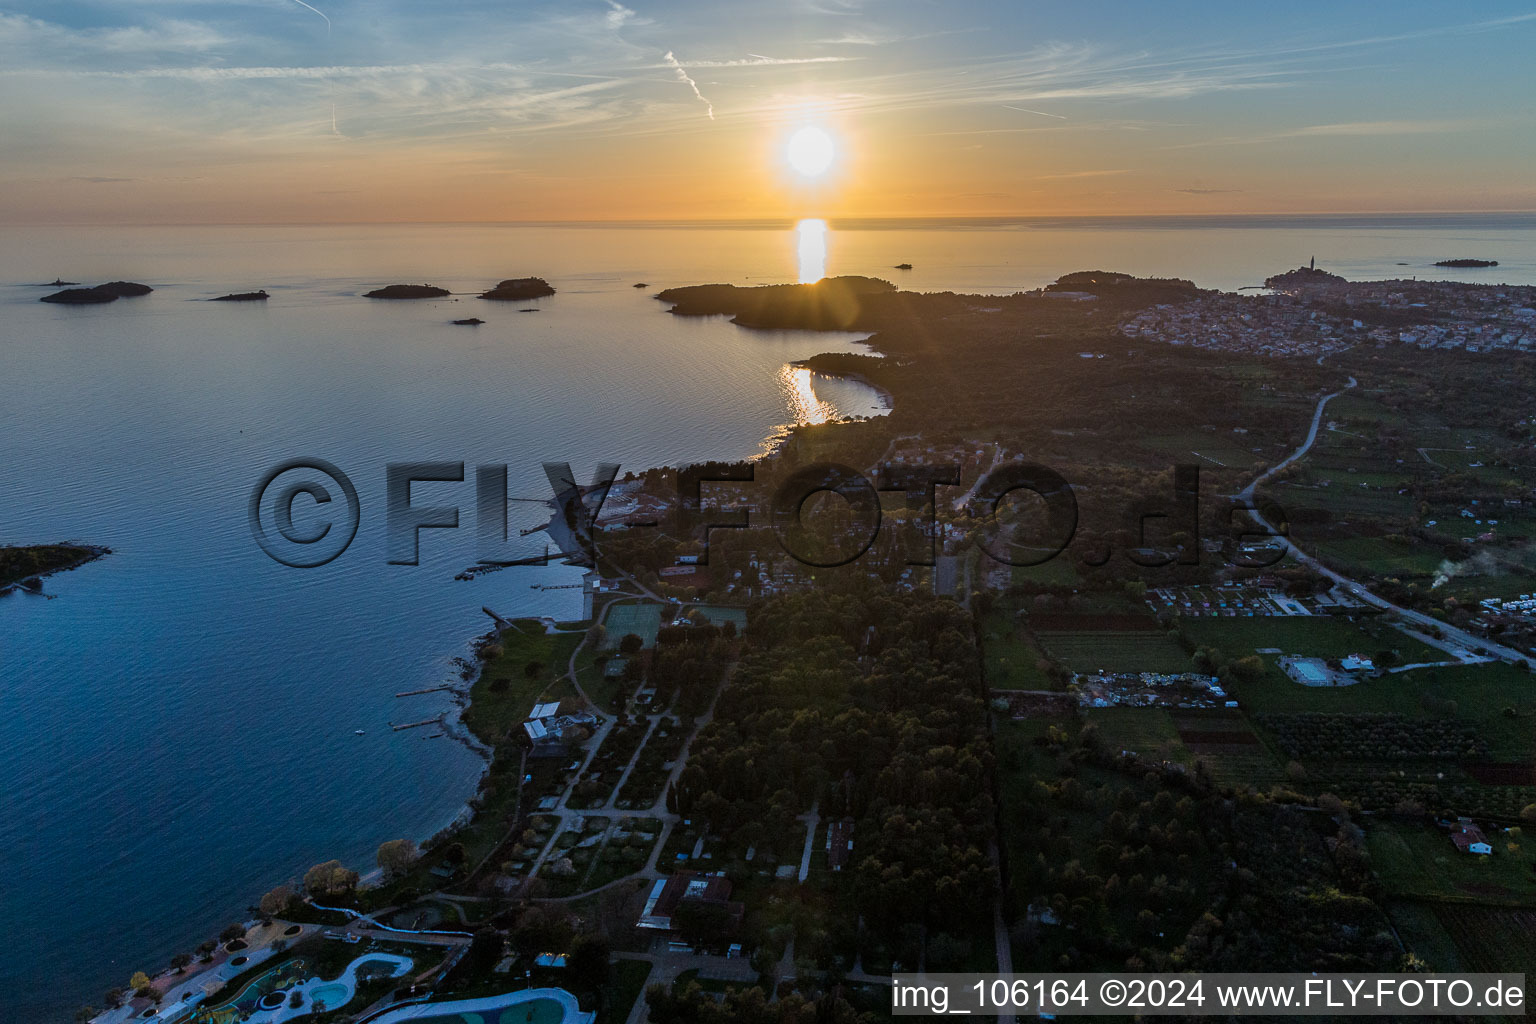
(1457,642)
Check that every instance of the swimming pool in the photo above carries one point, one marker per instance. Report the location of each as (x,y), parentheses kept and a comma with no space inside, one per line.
(531,1006)
(333,995)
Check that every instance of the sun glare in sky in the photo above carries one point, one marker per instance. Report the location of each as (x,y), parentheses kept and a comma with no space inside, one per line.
(810,152)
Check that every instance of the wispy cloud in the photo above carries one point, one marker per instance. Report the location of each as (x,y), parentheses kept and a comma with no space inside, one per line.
(618,16)
(1197,191)
(21,34)
(1041,113)
(684,77)
(1081,174)
(751,60)
(1351,129)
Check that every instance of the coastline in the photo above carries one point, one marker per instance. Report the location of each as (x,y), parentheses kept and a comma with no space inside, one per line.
(90,553)
(471,665)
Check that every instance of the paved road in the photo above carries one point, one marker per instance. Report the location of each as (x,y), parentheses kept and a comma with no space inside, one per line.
(811,819)
(1452,640)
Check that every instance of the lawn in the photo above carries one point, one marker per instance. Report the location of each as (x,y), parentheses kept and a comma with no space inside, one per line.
(1420,861)
(1316,636)
(1380,556)
(528,670)
(1149,732)
(719,615)
(1010,656)
(1116,651)
(1423,935)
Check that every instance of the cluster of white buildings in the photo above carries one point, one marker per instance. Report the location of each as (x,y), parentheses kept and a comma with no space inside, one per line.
(1449,315)
(1270,325)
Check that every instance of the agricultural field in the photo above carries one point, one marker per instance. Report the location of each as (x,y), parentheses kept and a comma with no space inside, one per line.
(1419,860)
(1490,939)
(1233,754)
(1149,732)
(1317,636)
(1374,736)
(1418,925)
(1142,650)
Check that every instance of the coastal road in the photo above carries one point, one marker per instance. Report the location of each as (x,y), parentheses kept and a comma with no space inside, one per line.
(1454,641)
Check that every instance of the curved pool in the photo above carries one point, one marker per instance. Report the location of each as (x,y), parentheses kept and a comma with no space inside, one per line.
(530,1006)
(333,995)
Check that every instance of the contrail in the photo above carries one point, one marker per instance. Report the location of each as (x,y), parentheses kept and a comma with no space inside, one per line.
(682,76)
(1059,117)
(306,6)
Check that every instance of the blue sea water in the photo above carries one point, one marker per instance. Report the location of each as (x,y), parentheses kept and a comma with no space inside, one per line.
(178,724)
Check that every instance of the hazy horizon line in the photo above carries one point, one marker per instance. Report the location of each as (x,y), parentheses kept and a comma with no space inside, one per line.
(866,223)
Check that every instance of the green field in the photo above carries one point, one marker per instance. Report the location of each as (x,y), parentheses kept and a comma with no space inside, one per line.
(1379,555)
(1317,636)
(1011,659)
(1116,651)
(1420,861)
(1147,731)
(528,670)
(719,615)
(1420,929)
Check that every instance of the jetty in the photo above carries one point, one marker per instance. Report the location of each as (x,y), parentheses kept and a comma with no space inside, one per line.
(434,720)
(429,689)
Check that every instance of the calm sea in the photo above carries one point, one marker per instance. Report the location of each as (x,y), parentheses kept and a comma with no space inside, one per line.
(177,726)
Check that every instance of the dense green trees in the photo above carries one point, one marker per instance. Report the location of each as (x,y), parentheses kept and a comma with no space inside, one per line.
(871,703)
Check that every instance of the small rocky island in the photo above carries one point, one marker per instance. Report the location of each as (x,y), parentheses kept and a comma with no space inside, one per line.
(407,291)
(520,288)
(109,292)
(258,296)
(903,266)
(472,321)
(1467,263)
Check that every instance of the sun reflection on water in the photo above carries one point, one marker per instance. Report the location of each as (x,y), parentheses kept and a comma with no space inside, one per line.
(804,406)
(811,247)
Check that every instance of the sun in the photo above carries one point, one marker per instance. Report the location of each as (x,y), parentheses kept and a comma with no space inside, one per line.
(810,152)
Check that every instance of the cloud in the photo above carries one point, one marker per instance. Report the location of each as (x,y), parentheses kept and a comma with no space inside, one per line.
(683,76)
(1351,129)
(1080,174)
(618,16)
(1197,191)
(21,34)
(1379,128)
(1041,113)
(752,60)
